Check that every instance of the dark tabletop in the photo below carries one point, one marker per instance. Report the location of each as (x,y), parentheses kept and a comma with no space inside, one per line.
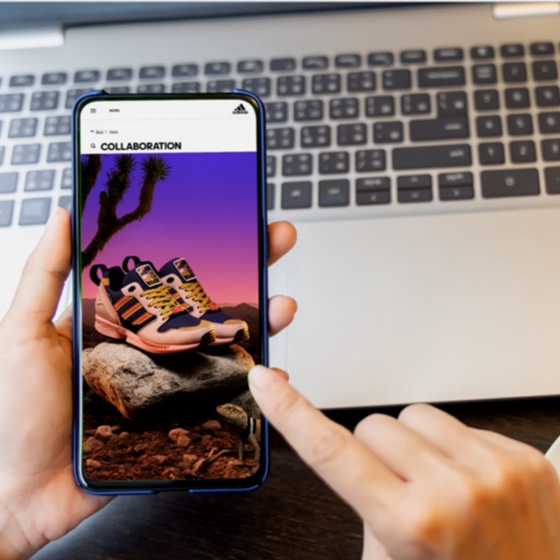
(293,516)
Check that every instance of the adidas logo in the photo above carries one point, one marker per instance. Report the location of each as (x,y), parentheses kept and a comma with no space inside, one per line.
(240,110)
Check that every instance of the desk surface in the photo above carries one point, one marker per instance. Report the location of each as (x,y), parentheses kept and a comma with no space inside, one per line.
(294,515)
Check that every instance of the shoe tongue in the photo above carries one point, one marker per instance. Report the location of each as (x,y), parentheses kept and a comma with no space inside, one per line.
(184,270)
(144,274)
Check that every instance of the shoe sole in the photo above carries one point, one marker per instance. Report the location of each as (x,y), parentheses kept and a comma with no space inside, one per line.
(118,332)
(240,336)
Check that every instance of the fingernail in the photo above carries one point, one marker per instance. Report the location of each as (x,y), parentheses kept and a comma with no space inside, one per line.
(263,378)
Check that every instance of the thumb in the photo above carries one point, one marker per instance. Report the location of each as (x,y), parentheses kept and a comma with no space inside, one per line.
(43,276)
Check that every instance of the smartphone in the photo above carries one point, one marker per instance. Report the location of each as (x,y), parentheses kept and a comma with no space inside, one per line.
(169,262)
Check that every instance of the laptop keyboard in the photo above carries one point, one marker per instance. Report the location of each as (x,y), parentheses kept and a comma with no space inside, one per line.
(351,130)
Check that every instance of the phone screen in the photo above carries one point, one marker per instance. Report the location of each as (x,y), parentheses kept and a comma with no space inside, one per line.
(169,221)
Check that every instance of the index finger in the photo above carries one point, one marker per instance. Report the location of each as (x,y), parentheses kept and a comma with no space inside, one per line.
(342,461)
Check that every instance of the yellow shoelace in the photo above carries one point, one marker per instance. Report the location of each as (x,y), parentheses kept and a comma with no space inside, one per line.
(161,299)
(195,292)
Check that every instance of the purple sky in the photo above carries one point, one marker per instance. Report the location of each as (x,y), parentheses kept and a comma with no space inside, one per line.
(205,211)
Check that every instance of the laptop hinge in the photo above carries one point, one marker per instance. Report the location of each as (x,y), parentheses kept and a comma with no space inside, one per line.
(508,10)
(31,37)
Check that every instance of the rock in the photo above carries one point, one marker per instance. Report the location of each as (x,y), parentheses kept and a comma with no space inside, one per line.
(104,433)
(211,425)
(116,428)
(176,433)
(92,464)
(183,441)
(137,383)
(170,472)
(159,459)
(140,448)
(91,444)
(124,435)
(190,459)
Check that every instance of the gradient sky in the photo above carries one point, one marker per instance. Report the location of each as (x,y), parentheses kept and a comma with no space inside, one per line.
(205,211)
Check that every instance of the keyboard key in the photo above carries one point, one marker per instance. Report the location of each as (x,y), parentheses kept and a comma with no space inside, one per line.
(220,85)
(522,151)
(414,181)
(334,162)
(452,104)
(22,80)
(290,85)
(486,100)
(118,89)
(297,164)
(315,136)
(2,151)
(8,182)
(259,86)
(380,106)
(517,98)
(344,108)
(66,179)
(370,160)
(11,102)
(270,189)
(325,83)
(484,74)
(373,190)
(547,96)
(54,78)
(360,81)
(415,104)
(152,72)
(549,123)
(456,186)
(184,70)
(44,100)
(279,138)
(414,188)
(351,134)
(482,52)
(396,79)
(6,212)
(441,76)
(253,66)
(550,150)
(296,195)
(276,112)
(119,74)
(334,192)
(86,76)
(551,175)
(514,72)
(59,151)
(270,166)
(417,56)
(520,125)
(26,153)
(72,95)
(512,50)
(186,87)
(57,126)
(151,88)
(380,59)
(283,64)
(451,54)
(489,126)
(491,153)
(439,129)
(315,63)
(514,182)
(65,202)
(544,70)
(34,211)
(542,49)
(22,128)
(348,60)
(40,180)
(387,132)
(425,157)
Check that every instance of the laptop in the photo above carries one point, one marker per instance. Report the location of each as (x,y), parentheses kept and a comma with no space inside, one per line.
(415,147)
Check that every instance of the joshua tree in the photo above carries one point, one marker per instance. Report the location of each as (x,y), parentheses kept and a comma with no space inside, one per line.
(154,169)
(90,170)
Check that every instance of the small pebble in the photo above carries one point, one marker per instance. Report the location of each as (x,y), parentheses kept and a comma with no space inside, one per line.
(104,433)
(211,425)
(183,441)
(176,433)
(91,444)
(92,463)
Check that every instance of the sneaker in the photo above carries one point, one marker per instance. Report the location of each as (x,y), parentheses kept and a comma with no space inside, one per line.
(178,276)
(137,307)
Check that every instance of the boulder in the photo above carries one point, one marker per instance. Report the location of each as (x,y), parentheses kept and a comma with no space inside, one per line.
(138,384)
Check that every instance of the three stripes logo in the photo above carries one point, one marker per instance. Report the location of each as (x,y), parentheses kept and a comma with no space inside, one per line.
(240,110)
